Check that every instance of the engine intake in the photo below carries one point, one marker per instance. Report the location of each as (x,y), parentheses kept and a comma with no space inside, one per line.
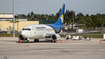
(56,37)
(21,37)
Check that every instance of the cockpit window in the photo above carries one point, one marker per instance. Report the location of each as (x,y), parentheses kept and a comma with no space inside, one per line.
(26,29)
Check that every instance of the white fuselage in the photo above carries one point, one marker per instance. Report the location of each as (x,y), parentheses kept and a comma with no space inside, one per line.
(37,31)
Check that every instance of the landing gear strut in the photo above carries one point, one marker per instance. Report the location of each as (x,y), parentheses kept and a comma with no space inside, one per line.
(36,40)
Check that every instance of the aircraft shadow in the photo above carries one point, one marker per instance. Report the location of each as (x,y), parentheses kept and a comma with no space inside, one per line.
(42,41)
(103,40)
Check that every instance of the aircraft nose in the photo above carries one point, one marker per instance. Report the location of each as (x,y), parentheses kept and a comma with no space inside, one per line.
(23,33)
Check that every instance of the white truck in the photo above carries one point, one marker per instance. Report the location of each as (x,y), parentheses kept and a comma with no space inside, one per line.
(77,38)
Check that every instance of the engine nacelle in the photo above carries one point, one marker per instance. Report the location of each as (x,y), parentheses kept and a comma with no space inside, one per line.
(56,37)
(21,37)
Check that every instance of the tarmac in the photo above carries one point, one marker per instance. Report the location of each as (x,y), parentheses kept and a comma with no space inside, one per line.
(70,49)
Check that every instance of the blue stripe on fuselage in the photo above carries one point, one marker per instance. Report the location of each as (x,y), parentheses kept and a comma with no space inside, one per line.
(57,28)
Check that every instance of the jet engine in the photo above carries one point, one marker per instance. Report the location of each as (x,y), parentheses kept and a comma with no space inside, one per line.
(21,37)
(56,37)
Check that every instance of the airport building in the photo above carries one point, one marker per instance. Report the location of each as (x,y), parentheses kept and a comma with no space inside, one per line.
(47,21)
(21,19)
(6,16)
(8,26)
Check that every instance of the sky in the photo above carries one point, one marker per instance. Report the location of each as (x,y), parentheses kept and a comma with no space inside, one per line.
(52,6)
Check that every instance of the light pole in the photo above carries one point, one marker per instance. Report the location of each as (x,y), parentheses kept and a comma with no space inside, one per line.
(13,21)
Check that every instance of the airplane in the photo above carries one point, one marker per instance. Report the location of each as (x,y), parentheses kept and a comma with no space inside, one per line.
(38,31)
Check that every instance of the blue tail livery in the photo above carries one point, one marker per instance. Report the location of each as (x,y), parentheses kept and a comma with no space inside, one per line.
(58,26)
(61,17)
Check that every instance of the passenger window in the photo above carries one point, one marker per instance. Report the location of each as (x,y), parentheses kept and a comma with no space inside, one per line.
(26,29)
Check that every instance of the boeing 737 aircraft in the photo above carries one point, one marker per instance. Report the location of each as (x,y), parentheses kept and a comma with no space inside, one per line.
(37,31)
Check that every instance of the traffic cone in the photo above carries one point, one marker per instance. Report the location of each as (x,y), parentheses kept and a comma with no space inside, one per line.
(52,41)
(66,40)
(100,41)
(60,41)
(20,41)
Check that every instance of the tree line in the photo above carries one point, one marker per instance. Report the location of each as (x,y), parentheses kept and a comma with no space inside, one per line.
(70,18)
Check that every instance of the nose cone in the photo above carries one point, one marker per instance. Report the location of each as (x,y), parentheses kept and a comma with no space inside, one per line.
(24,34)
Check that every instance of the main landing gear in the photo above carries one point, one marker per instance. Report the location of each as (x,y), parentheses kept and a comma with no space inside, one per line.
(36,40)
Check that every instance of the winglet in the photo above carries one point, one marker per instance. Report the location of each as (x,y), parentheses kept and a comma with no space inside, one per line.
(61,17)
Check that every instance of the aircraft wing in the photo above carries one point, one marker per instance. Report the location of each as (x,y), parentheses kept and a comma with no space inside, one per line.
(77,32)
(73,33)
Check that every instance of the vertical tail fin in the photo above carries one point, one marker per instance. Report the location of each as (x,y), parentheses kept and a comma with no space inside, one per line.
(61,17)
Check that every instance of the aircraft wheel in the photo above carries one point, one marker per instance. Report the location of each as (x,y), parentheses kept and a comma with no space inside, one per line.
(54,41)
(34,40)
(37,40)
